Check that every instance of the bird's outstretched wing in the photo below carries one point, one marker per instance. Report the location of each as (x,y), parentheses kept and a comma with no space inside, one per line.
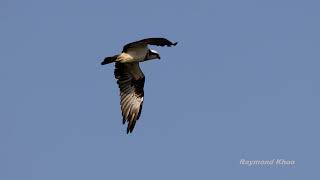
(149,41)
(130,79)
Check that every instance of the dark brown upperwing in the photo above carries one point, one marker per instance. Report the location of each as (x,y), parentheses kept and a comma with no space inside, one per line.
(149,41)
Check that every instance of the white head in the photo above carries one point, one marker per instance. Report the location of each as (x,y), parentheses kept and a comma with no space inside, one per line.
(153,54)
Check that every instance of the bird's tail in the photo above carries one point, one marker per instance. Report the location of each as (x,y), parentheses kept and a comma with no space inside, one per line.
(109,60)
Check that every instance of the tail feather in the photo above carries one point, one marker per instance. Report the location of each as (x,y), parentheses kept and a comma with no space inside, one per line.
(109,60)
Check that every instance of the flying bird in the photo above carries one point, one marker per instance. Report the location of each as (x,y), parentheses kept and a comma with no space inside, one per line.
(130,78)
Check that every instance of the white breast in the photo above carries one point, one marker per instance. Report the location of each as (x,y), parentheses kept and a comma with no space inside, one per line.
(134,54)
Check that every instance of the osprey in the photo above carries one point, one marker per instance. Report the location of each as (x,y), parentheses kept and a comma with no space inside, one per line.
(130,78)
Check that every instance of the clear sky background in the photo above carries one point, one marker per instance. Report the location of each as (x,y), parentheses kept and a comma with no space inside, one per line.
(243,82)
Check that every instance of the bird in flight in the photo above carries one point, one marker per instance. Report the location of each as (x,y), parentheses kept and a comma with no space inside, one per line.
(130,78)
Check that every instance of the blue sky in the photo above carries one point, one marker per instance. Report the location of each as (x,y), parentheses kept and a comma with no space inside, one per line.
(243,82)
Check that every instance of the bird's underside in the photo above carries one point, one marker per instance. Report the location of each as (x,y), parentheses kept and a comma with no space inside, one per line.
(130,78)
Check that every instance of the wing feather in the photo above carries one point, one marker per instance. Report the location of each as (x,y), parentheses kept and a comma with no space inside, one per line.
(149,41)
(130,80)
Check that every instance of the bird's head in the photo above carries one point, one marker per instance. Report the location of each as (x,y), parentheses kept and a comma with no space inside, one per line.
(153,54)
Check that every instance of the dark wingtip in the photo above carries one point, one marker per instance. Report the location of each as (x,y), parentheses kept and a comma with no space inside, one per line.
(130,126)
(131,129)
(175,43)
